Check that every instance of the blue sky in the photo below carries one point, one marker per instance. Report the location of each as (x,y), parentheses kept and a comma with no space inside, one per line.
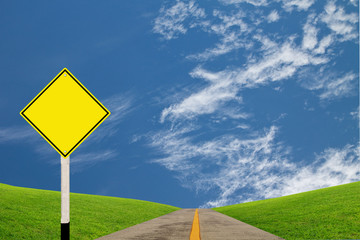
(213,102)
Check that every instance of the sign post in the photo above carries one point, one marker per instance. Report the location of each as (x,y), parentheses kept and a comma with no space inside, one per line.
(65,113)
(65,198)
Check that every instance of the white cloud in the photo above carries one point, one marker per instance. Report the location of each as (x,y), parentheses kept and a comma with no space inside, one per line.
(119,106)
(227,44)
(171,21)
(253,2)
(339,87)
(330,85)
(310,34)
(204,102)
(268,45)
(342,24)
(299,4)
(17,134)
(243,126)
(356,114)
(281,63)
(191,159)
(278,65)
(241,169)
(232,29)
(324,44)
(334,166)
(288,5)
(82,160)
(176,148)
(273,16)
(229,21)
(354,2)
(254,165)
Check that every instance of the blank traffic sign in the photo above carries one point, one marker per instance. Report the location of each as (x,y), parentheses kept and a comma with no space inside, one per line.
(65,113)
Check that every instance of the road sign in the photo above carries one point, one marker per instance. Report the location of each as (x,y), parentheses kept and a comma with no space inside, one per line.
(65,113)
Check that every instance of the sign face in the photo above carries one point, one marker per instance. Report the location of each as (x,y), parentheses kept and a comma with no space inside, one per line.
(65,113)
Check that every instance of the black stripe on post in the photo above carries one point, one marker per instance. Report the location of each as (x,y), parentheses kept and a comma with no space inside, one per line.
(65,231)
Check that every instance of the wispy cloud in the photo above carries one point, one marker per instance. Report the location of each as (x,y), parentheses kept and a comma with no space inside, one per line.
(27,135)
(80,160)
(354,2)
(235,29)
(273,16)
(120,106)
(310,34)
(171,21)
(333,166)
(339,87)
(324,44)
(342,24)
(253,2)
(176,148)
(191,159)
(243,126)
(17,134)
(280,63)
(356,113)
(330,85)
(289,5)
(232,31)
(205,101)
(83,160)
(247,163)
(245,169)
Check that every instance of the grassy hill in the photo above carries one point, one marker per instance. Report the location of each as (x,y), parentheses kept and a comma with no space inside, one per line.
(329,213)
(35,214)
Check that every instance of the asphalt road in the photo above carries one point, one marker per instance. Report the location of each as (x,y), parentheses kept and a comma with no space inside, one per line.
(172,226)
(217,226)
(177,225)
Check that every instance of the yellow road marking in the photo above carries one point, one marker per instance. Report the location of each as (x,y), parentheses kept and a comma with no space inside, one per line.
(195,229)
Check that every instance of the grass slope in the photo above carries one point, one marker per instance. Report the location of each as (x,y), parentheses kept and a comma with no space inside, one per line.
(329,213)
(35,214)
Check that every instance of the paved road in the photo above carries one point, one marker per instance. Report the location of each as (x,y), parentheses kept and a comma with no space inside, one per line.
(217,226)
(172,226)
(177,226)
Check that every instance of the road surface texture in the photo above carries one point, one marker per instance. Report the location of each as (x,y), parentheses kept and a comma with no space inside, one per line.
(177,226)
(172,226)
(217,226)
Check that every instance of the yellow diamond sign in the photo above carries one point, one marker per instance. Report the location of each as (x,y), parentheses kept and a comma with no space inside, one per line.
(65,113)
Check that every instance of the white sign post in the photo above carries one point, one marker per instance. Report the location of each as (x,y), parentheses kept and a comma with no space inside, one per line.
(65,198)
(65,113)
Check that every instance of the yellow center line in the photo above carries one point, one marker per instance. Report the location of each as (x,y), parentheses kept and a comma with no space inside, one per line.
(195,229)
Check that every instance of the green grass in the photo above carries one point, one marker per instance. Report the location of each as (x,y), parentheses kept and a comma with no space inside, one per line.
(35,214)
(329,213)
